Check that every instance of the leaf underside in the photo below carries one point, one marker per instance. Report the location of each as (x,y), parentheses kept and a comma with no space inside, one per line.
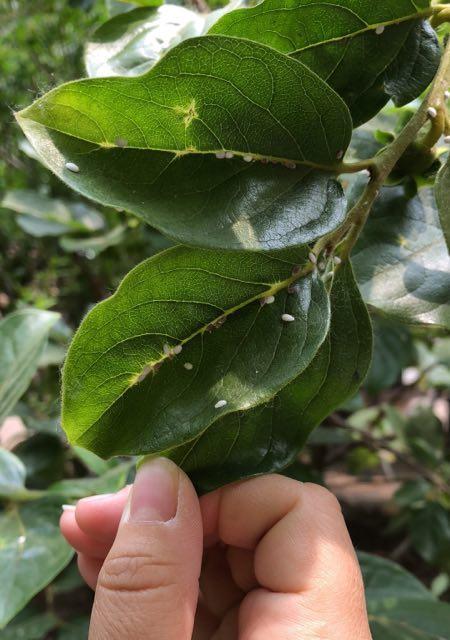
(269,437)
(123,393)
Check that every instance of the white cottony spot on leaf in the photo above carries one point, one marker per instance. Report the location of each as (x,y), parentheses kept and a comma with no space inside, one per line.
(71,166)
(337,260)
(220,403)
(379,30)
(313,258)
(166,349)
(220,155)
(432,112)
(269,300)
(248,158)
(286,317)
(229,155)
(177,349)
(188,366)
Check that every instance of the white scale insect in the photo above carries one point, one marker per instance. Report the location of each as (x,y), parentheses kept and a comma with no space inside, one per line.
(220,404)
(286,317)
(71,166)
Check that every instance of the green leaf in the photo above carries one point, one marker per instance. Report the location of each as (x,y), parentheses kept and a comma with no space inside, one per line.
(32,553)
(43,216)
(386,581)
(182,297)
(23,336)
(400,607)
(131,43)
(143,3)
(201,200)
(30,625)
(345,47)
(110,482)
(12,474)
(93,246)
(393,351)
(206,95)
(443,199)
(401,261)
(269,437)
(167,171)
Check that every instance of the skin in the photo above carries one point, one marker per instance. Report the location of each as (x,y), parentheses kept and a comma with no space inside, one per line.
(272,556)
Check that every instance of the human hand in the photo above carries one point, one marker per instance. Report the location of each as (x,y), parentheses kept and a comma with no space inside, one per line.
(278,563)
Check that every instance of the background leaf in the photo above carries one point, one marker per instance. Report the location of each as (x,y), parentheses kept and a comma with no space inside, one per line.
(269,437)
(23,336)
(32,553)
(12,474)
(43,216)
(343,45)
(400,608)
(181,297)
(401,261)
(443,199)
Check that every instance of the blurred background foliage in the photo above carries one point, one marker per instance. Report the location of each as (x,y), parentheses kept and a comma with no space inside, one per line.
(386,454)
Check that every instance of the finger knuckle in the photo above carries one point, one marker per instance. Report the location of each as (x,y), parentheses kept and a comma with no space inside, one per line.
(131,573)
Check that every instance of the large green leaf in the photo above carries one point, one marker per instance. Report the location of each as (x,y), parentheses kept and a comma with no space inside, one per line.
(195,197)
(41,215)
(368,52)
(443,199)
(130,43)
(400,608)
(268,438)
(201,200)
(401,261)
(32,553)
(206,95)
(23,336)
(124,393)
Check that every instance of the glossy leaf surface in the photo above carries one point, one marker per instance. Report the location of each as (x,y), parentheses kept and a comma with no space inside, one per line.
(124,392)
(268,438)
(401,261)
(367,51)
(23,336)
(131,43)
(32,553)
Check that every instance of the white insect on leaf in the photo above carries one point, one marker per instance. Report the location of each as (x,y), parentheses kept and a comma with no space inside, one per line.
(220,404)
(286,317)
(380,29)
(432,112)
(71,166)
(188,366)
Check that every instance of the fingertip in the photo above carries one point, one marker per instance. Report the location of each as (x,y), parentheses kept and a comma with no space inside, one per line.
(99,516)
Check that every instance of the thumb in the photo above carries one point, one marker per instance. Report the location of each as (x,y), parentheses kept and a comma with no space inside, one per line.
(148,585)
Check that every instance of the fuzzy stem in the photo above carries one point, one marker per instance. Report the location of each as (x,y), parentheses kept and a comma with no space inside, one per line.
(385,162)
